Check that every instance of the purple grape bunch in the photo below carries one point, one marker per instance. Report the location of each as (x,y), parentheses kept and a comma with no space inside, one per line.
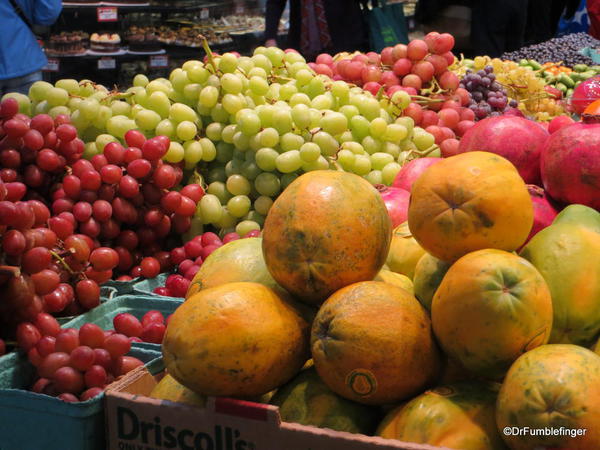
(488,97)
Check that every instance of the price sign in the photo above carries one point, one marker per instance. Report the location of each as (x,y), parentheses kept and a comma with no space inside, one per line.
(159,61)
(239,9)
(107,14)
(52,66)
(204,13)
(107,63)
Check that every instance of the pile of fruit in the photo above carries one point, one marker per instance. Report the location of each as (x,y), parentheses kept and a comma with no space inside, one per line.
(565,49)
(419,184)
(334,333)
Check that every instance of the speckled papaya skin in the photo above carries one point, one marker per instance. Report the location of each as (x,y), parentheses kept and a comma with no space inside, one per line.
(459,416)
(372,343)
(236,339)
(429,273)
(469,202)
(568,257)
(170,389)
(327,230)
(396,279)
(307,400)
(240,260)
(555,385)
(491,307)
(404,252)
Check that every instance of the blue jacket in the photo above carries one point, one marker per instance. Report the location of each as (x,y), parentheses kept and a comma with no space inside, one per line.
(20,53)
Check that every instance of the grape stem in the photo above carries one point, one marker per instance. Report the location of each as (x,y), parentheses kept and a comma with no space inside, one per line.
(62,261)
(209,53)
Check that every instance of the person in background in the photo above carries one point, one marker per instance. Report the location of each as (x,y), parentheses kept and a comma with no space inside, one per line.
(498,26)
(318,26)
(21,57)
(543,17)
(593,9)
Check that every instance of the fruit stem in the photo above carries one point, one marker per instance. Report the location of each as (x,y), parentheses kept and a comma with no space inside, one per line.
(62,261)
(209,53)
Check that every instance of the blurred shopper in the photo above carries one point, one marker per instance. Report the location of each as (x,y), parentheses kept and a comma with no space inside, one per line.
(318,26)
(498,26)
(543,17)
(21,57)
(593,9)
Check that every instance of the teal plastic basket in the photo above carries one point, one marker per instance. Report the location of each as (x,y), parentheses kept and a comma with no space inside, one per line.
(591,53)
(138,305)
(30,421)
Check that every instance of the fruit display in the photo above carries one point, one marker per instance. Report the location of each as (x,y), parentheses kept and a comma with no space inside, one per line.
(354,341)
(403,245)
(565,49)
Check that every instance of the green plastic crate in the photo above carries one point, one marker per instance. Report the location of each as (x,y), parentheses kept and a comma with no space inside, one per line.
(138,305)
(30,421)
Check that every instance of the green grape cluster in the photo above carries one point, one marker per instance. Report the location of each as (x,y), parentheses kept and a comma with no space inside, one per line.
(248,125)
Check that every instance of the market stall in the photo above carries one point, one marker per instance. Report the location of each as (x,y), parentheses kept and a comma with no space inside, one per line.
(207,243)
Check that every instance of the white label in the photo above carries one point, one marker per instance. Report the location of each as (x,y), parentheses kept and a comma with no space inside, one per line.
(240,9)
(53,65)
(159,61)
(204,13)
(107,14)
(107,63)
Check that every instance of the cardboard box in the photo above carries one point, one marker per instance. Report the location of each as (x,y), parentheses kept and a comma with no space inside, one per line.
(137,422)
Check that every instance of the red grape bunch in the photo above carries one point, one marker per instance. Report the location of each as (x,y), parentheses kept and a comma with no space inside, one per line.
(74,365)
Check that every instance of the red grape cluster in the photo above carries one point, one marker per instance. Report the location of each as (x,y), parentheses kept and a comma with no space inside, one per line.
(421,67)
(123,197)
(412,67)
(34,151)
(74,365)
(150,329)
(190,257)
(79,223)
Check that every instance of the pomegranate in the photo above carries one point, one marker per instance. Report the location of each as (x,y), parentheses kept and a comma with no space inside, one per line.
(396,202)
(544,211)
(516,139)
(559,122)
(585,94)
(570,163)
(411,171)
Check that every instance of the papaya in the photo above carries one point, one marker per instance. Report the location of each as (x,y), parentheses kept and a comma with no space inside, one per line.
(396,279)
(429,273)
(326,230)
(404,252)
(169,389)
(372,343)
(239,260)
(308,401)
(459,416)
(491,307)
(554,386)
(568,257)
(469,202)
(579,215)
(236,339)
